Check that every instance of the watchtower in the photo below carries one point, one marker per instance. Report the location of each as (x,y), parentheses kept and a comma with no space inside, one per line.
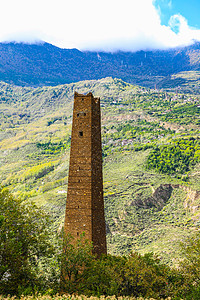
(85,205)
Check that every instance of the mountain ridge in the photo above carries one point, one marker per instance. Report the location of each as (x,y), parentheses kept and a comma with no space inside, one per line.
(44,64)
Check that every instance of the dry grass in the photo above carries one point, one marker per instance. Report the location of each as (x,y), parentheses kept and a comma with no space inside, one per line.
(75,297)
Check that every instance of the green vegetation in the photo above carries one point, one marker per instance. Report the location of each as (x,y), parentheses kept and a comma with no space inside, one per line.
(184,114)
(184,82)
(175,158)
(52,148)
(133,275)
(24,246)
(190,266)
(145,210)
(45,64)
(35,261)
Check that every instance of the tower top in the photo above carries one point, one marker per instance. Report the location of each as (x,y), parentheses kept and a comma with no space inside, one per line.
(89,95)
(82,95)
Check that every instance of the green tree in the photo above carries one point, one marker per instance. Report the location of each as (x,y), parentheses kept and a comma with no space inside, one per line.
(134,275)
(177,157)
(190,264)
(146,276)
(75,257)
(24,241)
(104,276)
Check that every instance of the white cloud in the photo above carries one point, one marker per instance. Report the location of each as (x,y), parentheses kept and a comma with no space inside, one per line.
(185,34)
(90,24)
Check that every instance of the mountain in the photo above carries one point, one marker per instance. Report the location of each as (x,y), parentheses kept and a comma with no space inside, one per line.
(44,64)
(148,206)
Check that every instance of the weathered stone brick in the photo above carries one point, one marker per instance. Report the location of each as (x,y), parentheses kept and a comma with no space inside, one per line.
(85,205)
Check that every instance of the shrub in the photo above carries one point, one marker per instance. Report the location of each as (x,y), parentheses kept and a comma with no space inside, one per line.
(24,244)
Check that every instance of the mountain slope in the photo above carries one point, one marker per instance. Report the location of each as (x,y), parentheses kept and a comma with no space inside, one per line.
(45,64)
(145,210)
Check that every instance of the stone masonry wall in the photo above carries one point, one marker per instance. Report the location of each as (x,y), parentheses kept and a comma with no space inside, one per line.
(85,205)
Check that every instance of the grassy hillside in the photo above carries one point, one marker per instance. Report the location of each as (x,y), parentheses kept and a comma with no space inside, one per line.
(185,82)
(146,210)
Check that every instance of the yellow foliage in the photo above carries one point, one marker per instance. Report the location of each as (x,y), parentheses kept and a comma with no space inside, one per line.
(13,144)
(37,171)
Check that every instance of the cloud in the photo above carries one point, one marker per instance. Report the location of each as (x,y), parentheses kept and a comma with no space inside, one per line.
(107,25)
(185,34)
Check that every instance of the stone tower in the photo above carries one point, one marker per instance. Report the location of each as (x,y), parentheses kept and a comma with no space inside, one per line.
(85,205)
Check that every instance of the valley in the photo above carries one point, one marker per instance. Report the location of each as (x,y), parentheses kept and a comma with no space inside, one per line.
(147,209)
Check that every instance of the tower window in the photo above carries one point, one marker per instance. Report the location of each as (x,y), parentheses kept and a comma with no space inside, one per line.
(81,114)
(80,133)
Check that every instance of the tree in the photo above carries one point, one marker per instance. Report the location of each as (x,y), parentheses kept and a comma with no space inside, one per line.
(190,265)
(24,241)
(191,251)
(75,258)
(104,276)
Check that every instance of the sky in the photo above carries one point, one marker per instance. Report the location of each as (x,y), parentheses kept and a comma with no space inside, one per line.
(101,25)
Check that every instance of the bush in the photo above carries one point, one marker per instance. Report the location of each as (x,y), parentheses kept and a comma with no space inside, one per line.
(24,245)
(134,275)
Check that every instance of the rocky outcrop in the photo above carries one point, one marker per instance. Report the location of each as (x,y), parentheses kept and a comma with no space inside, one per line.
(158,199)
(192,201)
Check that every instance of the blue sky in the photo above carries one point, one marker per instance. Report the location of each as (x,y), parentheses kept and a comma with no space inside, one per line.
(101,25)
(190,9)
